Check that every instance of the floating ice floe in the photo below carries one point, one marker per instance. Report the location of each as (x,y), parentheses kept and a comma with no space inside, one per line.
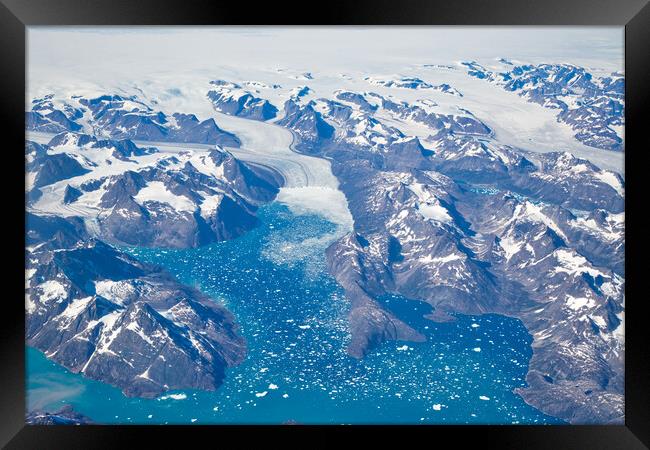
(173,397)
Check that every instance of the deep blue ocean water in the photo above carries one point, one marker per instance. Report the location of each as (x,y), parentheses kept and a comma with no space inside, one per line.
(292,314)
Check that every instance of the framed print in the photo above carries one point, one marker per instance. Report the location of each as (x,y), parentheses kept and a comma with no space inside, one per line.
(406,215)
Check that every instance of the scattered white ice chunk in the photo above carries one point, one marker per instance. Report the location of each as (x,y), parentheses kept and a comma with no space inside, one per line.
(173,397)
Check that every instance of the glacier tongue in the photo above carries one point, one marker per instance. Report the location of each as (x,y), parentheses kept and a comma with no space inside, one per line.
(309,185)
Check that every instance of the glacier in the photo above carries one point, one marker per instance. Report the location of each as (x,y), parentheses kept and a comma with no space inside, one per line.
(474,187)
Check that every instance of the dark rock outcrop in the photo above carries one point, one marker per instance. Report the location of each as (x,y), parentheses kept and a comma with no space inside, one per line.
(232,99)
(474,227)
(64,416)
(100,312)
(593,107)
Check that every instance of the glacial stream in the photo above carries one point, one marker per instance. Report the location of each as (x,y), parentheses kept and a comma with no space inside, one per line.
(292,314)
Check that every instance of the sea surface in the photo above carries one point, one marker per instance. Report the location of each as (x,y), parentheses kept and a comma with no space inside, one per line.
(292,314)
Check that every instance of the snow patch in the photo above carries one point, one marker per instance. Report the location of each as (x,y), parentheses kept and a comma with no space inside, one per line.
(205,164)
(52,290)
(157,191)
(209,205)
(610,178)
(579,303)
(75,307)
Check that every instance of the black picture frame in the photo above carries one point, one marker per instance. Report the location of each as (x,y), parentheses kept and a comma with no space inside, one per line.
(16,15)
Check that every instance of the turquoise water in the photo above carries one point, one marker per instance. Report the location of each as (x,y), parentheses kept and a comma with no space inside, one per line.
(292,314)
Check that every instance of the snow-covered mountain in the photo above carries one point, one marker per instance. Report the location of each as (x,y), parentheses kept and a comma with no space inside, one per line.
(356,125)
(413,83)
(64,416)
(444,211)
(593,107)
(99,312)
(422,236)
(424,112)
(473,226)
(141,196)
(119,117)
(236,100)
